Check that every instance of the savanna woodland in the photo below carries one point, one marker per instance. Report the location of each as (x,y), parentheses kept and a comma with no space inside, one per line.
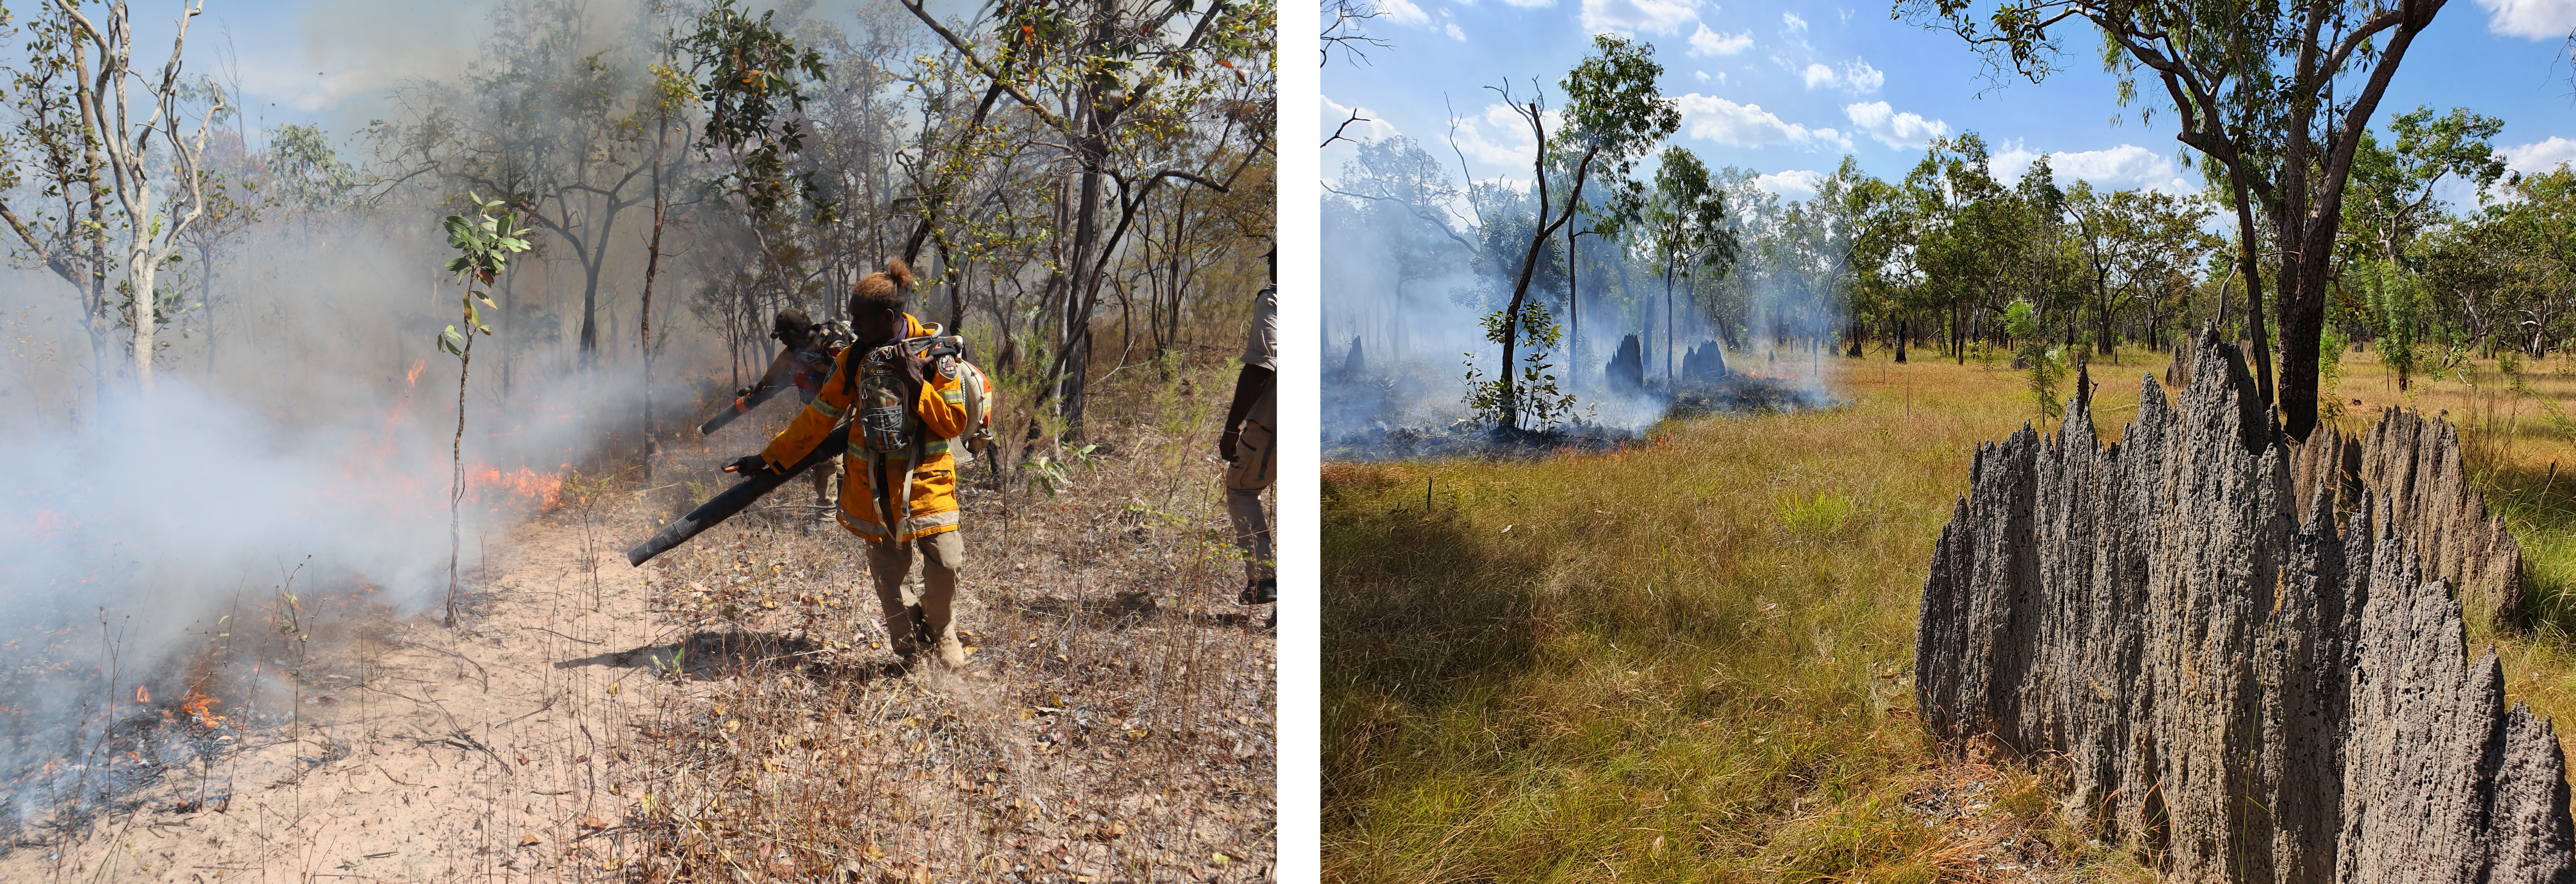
(294,602)
(1639,598)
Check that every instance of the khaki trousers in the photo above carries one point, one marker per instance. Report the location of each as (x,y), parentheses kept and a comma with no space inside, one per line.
(1256,459)
(827,478)
(930,610)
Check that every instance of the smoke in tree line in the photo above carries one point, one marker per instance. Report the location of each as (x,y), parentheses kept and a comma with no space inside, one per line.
(1409,274)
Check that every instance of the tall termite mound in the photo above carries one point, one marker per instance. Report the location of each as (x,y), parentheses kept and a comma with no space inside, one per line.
(2232,672)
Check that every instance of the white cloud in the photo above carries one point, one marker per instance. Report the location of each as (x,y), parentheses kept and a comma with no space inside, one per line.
(1501,137)
(1529,4)
(1634,17)
(1795,184)
(1855,76)
(1748,125)
(1905,130)
(2539,156)
(2126,167)
(1403,12)
(1793,34)
(1702,76)
(1458,35)
(1708,42)
(1371,127)
(2535,19)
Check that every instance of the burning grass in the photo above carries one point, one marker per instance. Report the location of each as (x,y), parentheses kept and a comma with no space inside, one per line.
(1116,722)
(100,731)
(1685,659)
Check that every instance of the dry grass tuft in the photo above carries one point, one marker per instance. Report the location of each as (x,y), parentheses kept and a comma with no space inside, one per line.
(1116,722)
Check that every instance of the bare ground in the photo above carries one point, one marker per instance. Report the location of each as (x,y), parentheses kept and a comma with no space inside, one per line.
(729,713)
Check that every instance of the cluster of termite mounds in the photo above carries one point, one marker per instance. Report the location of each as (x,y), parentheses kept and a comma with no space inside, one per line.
(1703,363)
(2246,656)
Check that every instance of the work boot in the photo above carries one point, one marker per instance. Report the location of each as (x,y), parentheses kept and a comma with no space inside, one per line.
(900,637)
(951,652)
(1260,592)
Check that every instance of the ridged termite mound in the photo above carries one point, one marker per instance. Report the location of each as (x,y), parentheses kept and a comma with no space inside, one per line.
(2245,656)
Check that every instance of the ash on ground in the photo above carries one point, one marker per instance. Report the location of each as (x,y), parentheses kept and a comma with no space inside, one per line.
(1734,394)
(1467,438)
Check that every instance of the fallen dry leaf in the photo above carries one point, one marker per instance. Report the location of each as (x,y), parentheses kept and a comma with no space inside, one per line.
(593,823)
(525,840)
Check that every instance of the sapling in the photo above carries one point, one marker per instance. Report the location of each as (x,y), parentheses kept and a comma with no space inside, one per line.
(2022,324)
(484,244)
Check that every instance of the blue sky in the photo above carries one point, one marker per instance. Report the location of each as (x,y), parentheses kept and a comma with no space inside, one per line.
(1787,87)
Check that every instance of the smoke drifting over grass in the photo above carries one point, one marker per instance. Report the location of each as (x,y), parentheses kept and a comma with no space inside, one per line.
(1407,283)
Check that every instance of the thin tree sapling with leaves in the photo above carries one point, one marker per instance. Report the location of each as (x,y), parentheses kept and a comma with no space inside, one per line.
(483,244)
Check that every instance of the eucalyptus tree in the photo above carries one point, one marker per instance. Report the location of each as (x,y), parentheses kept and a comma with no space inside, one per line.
(753,80)
(1616,116)
(2394,200)
(856,147)
(1682,226)
(1402,196)
(118,139)
(1857,233)
(1105,79)
(62,223)
(2277,97)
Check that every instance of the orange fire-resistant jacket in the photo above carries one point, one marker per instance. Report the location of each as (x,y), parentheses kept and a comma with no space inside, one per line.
(941,410)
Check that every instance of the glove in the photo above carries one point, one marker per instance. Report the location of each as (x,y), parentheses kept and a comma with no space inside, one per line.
(1225,444)
(741,392)
(747,465)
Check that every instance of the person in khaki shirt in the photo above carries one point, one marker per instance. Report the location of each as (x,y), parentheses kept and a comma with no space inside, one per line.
(1250,443)
(899,494)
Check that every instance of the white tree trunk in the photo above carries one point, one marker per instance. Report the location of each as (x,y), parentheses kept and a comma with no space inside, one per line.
(139,271)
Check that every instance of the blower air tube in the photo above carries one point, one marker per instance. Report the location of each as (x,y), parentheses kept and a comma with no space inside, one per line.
(737,408)
(734,500)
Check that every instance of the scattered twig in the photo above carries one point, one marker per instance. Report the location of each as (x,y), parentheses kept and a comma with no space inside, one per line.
(561,635)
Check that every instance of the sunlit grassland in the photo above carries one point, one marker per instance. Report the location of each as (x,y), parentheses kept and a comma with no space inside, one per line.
(1686,660)
(1691,659)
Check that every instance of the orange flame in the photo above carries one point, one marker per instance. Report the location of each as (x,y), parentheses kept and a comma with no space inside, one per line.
(487,484)
(412,379)
(141,695)
(197,705)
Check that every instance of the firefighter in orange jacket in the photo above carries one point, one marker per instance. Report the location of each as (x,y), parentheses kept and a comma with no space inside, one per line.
(899,493)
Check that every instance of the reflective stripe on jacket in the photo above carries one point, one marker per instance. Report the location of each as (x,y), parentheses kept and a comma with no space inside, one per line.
(941,410)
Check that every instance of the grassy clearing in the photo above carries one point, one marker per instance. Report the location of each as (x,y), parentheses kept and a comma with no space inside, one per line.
(1686,660)
(1691,659)
(1116,723)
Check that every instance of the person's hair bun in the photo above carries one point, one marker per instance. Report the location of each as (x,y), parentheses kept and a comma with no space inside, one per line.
(899,272)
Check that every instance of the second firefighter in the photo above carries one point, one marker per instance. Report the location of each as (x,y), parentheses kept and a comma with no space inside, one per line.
(899,489)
